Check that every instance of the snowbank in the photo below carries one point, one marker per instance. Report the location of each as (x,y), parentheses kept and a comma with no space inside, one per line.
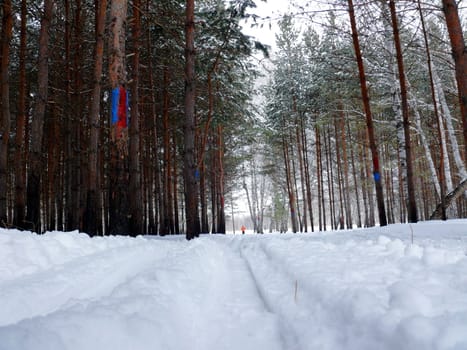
(361,289)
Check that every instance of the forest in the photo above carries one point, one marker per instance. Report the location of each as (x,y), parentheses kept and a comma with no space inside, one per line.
(142,117)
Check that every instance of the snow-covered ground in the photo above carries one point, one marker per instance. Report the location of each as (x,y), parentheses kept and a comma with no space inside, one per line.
(363,289)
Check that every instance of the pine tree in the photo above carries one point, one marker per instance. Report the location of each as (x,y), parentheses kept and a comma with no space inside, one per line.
(190,170)
(34,188)
(92,213)
(369,119)
(7,28)
(119,177)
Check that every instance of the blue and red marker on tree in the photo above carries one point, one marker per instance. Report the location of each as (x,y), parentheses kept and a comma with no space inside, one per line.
(119,112)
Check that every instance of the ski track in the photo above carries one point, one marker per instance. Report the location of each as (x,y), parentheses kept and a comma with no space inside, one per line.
(270,278)
(197,286)
(233,288)
(239,289)
(335,293)
(85,278)
(310,307)
(306,311)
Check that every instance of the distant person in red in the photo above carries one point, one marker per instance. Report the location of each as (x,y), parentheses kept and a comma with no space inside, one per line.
(243,228)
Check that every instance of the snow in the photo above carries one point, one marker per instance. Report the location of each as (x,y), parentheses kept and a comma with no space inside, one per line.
(361,289)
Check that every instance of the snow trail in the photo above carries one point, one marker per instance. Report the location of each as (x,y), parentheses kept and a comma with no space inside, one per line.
(270,284)
(83,278)
(355,290)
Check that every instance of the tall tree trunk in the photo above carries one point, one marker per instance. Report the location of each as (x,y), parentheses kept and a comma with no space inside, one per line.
(154,134)
(369,194)
(440,185)
(369,118)
(190,171)
(319,169)
(388,183)
(290,189)
(69,121)
(176,221)
(75,132)
(444,149)
(330,177)
(348,210)
(204,204)
(7,28)
(368,220)
(34,188)
(340,176)
(307,175)
(426,146)
(446,114)
(355,181)
(293,174)
(119,206)
(220,163)
(300,154)
(136,208)
(20,155)
(411,201)
(167,222)
(52,131)
(459,51)
(251,198)
(92,214)
(214,187)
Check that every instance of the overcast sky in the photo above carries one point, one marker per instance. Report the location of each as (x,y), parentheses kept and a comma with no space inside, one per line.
(270,13)
(265,30)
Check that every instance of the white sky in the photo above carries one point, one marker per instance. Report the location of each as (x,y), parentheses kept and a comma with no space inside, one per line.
(265,30)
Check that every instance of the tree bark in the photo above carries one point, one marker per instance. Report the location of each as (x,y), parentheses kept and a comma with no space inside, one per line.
(439,185)
(7,28)
(176,221)
(92,214)
(155,214)
(355,181)
(330,177)
(20,155)
(119,206)
(167,220)
(135,195)
(220,163)
(190,171)
(34,188)
(411,201)
(290,189)
(319,170)
(369,118)
(459,52)
(75,139)
(300,154)
(307,175)
(450,198)
(340,176)
(348,210)
(204,205)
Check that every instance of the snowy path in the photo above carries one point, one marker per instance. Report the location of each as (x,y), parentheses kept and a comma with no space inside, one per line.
(361,290)
(84,278)
(279,290)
